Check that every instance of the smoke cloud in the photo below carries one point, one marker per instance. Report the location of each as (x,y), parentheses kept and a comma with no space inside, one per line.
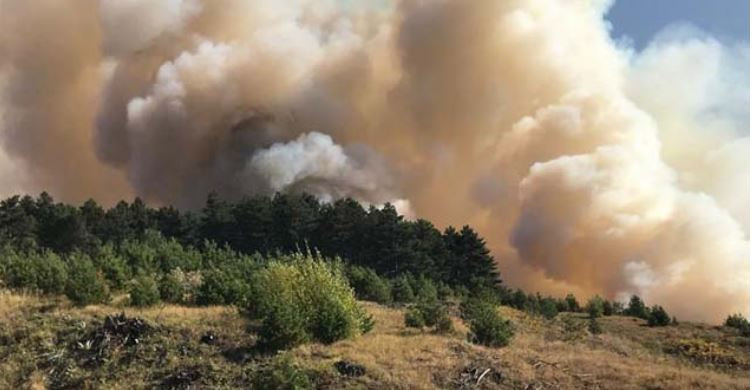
(589,166)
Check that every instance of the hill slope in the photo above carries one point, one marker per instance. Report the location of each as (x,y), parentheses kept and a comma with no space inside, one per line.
(49,343)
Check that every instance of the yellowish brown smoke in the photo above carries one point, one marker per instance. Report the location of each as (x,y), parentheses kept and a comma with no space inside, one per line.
(589,167)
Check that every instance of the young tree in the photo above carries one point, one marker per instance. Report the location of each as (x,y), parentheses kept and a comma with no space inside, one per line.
(572,303)
(636,308)
(658,317)
(595,307)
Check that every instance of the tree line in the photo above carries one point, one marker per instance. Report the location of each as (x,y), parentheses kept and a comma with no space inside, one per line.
(374,237)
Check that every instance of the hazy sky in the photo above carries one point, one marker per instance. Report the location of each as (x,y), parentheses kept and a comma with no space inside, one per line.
(641,19)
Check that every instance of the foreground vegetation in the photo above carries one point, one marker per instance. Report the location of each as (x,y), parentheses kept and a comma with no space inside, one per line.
(286,292)
(48,342)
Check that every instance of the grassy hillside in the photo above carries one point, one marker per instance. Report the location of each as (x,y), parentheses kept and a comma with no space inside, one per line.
(47,342)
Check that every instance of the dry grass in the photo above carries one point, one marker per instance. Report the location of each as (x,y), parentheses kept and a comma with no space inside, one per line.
(628,355)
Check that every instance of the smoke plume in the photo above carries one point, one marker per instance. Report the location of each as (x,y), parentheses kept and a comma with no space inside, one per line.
(589,166)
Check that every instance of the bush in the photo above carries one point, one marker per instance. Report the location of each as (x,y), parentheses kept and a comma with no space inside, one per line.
(414,318)
(434,314)
(425,290)
(658,317)
(608,308)
(281,373)
(549,308)
(113,267)
(369,286)
(223,287)
(43,272)
(444,323)
(144,291)
(444,291)
(739,322)
(85,285)
(402,291)
(595,307)
(572,303)
(488,328)
(593,326)
(179,286)
(283,327)
(636,308)
(301,298)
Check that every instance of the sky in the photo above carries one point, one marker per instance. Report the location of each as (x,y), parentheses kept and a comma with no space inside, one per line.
(728,20)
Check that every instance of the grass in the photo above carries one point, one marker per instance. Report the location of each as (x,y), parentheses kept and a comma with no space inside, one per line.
(41,346)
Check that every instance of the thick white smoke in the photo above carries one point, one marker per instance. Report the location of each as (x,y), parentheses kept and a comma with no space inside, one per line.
(588,166)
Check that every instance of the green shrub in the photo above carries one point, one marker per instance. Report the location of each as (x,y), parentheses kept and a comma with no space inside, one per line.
(434,314)
(44,271)
(144,291)
(444,324)
(658,317)
(223,287)
(595,307)
(170,289)
(85,285)
(593,326)
(549,308)
(113,267)
(283,327)
(487,327)
(402,291)
(739,322)
(444,291)
(425,290)
(369,286)
(636,308)
(572,303)
(608,308)
(414,318)
(179,286)
(281,373)
(301,298)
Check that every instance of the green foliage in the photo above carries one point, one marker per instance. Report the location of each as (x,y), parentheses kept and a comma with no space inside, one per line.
(143,291)
(636,308)
(658,317)
(283,327)
(43,271)
(608,308)
(414,318)
(301,298)
(281,373)
(549,308)
(85,285)
(402,291)
(572,303)
(132,238)
(443,323)
(112,265)
(432,313)
(618,308)
(444,291)
(487,327)
(425,290)
(594,326)
(595,307)
(223,286)
(369,286)
(179,286)
(739,322)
